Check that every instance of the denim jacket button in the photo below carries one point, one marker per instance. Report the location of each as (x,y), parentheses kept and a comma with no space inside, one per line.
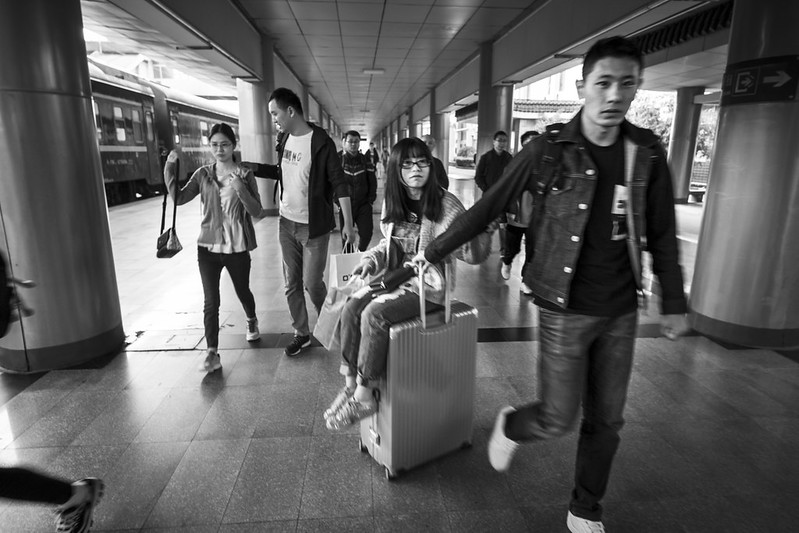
(590,172)
(560,300)
(567,270)
(582,206)
(575,238)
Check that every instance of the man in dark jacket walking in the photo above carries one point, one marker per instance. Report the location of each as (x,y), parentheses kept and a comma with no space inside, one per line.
(360,174)
(601,187)
(309,176)
(488,171)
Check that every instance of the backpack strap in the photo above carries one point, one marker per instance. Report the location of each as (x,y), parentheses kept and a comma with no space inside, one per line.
(547,170)
(550,160)
(280,145)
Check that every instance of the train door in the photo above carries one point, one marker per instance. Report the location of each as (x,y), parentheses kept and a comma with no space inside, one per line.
(154,175)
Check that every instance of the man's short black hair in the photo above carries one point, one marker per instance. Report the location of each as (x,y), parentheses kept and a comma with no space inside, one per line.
(285,98)
(616,46)
(500,132)
(348,133)
(528,135)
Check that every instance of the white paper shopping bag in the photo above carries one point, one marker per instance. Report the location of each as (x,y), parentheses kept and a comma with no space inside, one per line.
(342,265)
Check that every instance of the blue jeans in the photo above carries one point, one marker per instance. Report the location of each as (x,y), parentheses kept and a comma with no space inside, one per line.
(365,323)
(211,265)
(304,263)
(588,360)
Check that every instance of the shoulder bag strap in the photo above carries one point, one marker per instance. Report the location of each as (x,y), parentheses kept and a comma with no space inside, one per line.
(166,194)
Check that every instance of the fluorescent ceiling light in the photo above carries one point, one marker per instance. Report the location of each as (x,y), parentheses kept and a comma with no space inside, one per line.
(374,71)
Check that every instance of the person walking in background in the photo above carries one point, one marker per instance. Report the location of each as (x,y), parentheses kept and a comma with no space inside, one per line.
(385,161)
(229,199)
(441,169)
(518,219)
(414,212)
(592,214)
(360,174)
(489,169)
(309,175)
(373,157)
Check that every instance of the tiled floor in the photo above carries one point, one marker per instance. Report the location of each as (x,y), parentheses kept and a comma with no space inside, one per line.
(711,442)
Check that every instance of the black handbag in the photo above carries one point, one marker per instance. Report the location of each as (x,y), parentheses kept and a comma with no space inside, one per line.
(392,280)
(168,243)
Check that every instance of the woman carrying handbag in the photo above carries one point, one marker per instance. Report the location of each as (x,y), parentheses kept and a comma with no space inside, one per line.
(229,199)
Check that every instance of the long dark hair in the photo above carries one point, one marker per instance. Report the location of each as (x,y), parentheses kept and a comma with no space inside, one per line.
(396,195)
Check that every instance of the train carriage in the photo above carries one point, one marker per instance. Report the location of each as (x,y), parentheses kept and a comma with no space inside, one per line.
(138,122)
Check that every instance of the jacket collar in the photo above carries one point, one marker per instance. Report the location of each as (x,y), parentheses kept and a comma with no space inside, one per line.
(640,136)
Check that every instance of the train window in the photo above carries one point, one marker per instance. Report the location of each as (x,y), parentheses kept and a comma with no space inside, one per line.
(204,132)
(148,121)
(175,130)
(119,124)
(97,122)
(138,134)
(128,121)
(106,116)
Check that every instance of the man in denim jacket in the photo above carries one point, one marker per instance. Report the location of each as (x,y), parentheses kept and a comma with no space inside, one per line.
(602,193)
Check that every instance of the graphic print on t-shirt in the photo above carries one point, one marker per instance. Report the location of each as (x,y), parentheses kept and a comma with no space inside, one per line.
(618,213)
(296,168)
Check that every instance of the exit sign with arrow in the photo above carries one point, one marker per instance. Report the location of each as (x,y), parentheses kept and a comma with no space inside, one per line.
(769,79)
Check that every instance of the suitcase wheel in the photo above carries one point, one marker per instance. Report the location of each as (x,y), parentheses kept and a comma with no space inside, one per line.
(390,475)
(361,446)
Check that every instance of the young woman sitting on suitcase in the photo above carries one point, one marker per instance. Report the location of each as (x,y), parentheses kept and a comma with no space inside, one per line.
(415,211)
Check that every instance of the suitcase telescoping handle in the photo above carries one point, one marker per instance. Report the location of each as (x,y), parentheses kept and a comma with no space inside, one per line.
(447,295)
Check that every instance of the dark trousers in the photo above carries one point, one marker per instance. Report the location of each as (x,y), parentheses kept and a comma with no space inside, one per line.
(513,245)
(211,265)
(588,360)
(25,484)
(362,218)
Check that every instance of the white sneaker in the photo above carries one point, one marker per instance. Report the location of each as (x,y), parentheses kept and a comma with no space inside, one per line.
(212,362)
(582,525)
(500,447)
(526,290)
(505,271)
(252,330)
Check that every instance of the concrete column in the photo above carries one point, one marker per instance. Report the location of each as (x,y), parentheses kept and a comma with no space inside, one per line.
(683,140)
(495,108)
(746,282)
(439,129)
(414,127)
(256,129)
(53,215)
(305,100)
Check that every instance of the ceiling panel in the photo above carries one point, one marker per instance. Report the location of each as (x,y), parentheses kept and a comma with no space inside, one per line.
(360,11)
(314,10)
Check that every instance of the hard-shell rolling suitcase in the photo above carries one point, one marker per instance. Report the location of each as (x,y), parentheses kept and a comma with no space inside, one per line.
(426,401)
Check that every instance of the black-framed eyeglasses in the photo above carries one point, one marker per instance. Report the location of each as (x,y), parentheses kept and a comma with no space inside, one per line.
(421,163)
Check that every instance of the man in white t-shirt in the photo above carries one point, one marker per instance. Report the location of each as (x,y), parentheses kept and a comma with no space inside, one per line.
(309,175)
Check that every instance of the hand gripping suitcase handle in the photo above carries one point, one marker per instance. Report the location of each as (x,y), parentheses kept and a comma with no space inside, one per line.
(447,295)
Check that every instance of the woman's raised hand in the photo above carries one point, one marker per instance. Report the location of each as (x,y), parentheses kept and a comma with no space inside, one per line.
(363,269)
(172,157)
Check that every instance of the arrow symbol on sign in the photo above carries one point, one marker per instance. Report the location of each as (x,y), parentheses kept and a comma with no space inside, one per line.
(779,80)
